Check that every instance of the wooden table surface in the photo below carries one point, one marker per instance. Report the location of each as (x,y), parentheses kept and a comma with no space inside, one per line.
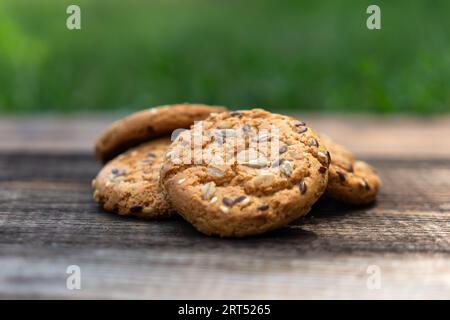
(49,221)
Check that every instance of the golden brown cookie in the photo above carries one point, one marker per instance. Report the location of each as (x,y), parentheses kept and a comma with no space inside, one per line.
(129,184)
(350,181)
(242,173)
(148,124)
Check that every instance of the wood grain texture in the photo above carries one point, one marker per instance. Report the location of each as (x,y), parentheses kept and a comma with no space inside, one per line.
(48,221)
(387,137)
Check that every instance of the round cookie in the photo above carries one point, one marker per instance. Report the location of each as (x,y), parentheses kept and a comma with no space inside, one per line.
(129,184)
(350,181)
(148,124)
(243,173)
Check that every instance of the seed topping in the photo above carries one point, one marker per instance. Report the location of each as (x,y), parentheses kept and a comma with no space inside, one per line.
(224,209)
(276,163)
(256,163)
(228,202)
(303,187)
(365,184)
(239,199)
(286,168)
(313,143)
(246,128)
(118,172)
(226,132)
(261,137)
(283,149)
(341,176)
(215,172)
(322,155)
(208,190)
(299,123)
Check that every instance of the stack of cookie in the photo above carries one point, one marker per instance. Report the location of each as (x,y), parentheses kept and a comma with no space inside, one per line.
(228,173)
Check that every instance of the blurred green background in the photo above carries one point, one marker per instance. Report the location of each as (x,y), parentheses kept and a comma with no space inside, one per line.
(282,55)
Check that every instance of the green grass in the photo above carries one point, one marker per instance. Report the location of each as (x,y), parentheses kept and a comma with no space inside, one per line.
(282,55)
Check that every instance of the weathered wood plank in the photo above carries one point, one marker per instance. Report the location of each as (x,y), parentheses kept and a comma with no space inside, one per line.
(389,137)
(186,274)
(51,205)
(49,221)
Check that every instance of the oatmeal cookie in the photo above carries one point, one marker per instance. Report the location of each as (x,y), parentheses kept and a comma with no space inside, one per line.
(243,173)
(129,184)
(350,181)
(148,124)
